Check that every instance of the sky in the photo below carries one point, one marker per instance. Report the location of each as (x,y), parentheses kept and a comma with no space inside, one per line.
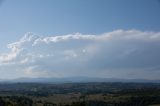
(93,38)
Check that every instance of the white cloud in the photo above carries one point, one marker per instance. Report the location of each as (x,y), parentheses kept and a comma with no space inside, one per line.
(84,55)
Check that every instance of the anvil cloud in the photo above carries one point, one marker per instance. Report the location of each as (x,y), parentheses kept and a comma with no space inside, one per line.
(116,54)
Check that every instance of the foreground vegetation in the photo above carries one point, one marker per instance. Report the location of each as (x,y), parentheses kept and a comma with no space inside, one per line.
(80,94)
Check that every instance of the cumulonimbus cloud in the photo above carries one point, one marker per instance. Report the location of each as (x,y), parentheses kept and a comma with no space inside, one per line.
(120,53)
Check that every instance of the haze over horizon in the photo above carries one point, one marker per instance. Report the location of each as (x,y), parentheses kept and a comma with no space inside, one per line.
(58,38)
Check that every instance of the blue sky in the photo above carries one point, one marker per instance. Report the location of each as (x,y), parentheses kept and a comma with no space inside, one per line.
(56,17)
(51,18)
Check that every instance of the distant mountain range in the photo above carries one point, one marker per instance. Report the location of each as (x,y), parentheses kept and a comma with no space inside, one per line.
(77,80)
